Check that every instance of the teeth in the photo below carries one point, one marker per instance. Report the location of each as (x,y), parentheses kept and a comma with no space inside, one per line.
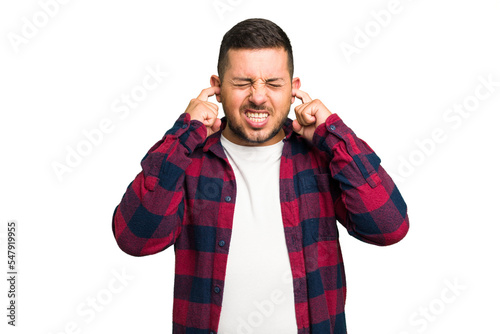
(257,116)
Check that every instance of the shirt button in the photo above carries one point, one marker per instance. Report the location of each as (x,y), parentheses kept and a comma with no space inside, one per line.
(216,289)
(222,243)
(184,126)
(332,127)
(228,198)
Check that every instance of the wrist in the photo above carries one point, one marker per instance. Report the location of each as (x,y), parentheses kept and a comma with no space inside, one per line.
(321,119)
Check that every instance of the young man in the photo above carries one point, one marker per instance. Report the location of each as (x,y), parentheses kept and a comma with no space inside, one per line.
(250,201)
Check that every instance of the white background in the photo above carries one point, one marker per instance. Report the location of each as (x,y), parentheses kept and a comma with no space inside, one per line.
(394,92)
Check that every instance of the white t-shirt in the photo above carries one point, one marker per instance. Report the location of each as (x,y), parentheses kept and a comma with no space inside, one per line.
(258,290)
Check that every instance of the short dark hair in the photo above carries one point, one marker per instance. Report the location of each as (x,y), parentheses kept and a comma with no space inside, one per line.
(254,34)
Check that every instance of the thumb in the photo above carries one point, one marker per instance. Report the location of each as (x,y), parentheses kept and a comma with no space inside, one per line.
(297,127)
(216,126)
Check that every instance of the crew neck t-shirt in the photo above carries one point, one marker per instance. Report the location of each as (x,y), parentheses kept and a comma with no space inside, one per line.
(258,290)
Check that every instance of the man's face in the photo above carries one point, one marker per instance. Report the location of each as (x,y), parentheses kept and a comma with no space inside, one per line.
(256,95)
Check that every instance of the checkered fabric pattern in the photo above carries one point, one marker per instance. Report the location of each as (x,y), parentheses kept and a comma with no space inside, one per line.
(185,196)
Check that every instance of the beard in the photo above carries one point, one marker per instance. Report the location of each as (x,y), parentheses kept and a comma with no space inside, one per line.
(261,135)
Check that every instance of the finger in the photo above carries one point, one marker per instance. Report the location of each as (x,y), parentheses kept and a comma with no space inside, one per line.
(213,107)
(207,92)
(303,96)
(304,115)
(298,114)
(212,115)
(212,111)
(216,126)
(297,127)
(209,117)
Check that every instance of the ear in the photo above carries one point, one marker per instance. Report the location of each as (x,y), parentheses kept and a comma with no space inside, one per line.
(215,82)
(295,86)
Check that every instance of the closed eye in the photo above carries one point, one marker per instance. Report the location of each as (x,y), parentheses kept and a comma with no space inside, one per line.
(275,82)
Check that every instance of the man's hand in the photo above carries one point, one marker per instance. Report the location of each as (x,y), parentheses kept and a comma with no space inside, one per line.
(206,112)
(309,115)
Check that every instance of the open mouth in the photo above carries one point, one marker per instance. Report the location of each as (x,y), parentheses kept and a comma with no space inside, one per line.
(257,117)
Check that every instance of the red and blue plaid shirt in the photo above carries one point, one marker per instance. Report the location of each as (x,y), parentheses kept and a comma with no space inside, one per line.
(185,196)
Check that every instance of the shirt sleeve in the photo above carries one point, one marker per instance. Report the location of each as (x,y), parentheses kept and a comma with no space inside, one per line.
(370,206)
(150,215)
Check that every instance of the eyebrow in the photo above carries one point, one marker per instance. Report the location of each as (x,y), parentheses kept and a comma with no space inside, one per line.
(250,80)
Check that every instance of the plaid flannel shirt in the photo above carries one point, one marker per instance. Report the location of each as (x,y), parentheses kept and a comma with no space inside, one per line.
(185,196)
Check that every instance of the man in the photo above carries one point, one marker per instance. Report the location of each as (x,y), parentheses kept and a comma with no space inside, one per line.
(250,201)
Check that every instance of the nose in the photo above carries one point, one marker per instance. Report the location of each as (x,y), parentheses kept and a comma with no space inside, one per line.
(258,94)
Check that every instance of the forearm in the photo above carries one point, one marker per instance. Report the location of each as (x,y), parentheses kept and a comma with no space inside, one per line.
(151,212)
(370,206)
